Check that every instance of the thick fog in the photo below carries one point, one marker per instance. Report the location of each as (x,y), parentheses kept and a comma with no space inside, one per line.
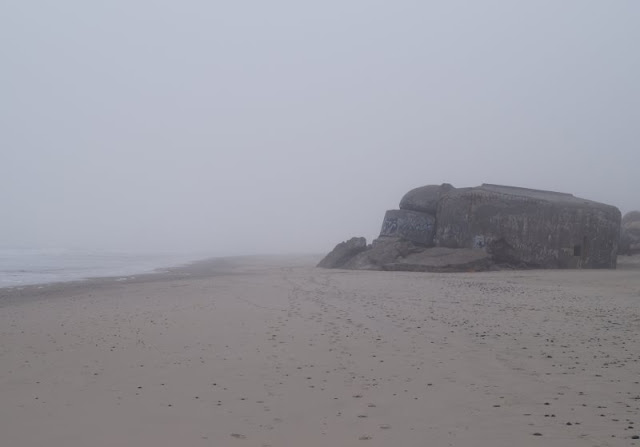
(287,126)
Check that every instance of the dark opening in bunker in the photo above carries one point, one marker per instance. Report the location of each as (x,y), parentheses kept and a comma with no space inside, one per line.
(577,250)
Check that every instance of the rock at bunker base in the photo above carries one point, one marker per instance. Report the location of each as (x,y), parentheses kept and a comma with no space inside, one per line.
(343,252)
(442,259)
(393,254)
(384,250)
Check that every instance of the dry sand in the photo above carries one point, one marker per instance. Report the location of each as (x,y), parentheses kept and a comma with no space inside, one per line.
(273,352)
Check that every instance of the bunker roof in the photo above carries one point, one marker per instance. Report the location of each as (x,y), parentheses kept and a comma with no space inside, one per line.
(560,198)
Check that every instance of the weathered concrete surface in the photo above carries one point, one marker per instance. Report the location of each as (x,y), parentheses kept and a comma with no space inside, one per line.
(343,252)
(393,254)
(442,259)
(540,229)
(493,225)
(630,234)
(425,199)
(410,225)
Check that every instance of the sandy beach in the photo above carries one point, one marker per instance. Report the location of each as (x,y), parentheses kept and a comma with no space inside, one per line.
(272,351)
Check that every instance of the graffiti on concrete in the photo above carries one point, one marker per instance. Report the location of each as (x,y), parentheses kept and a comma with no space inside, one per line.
(411,225)
(389,226)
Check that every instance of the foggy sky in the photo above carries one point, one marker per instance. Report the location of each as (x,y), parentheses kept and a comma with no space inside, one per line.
(288,126)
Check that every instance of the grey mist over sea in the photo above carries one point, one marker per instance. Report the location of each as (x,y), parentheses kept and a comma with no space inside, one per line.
(282,127)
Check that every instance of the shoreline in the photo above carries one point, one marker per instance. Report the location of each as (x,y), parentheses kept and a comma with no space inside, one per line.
(201,268)
(226,264)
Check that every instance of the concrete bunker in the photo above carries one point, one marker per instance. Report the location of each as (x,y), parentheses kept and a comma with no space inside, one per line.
(515,227)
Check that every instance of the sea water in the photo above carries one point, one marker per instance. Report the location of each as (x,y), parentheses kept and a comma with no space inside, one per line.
(20,267)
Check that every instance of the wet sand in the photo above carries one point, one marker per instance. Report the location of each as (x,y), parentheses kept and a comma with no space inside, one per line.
(274,352)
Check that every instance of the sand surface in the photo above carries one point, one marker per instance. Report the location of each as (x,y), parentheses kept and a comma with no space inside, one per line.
(273,352)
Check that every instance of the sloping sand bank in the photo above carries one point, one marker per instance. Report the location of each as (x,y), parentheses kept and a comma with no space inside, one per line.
(274,352)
